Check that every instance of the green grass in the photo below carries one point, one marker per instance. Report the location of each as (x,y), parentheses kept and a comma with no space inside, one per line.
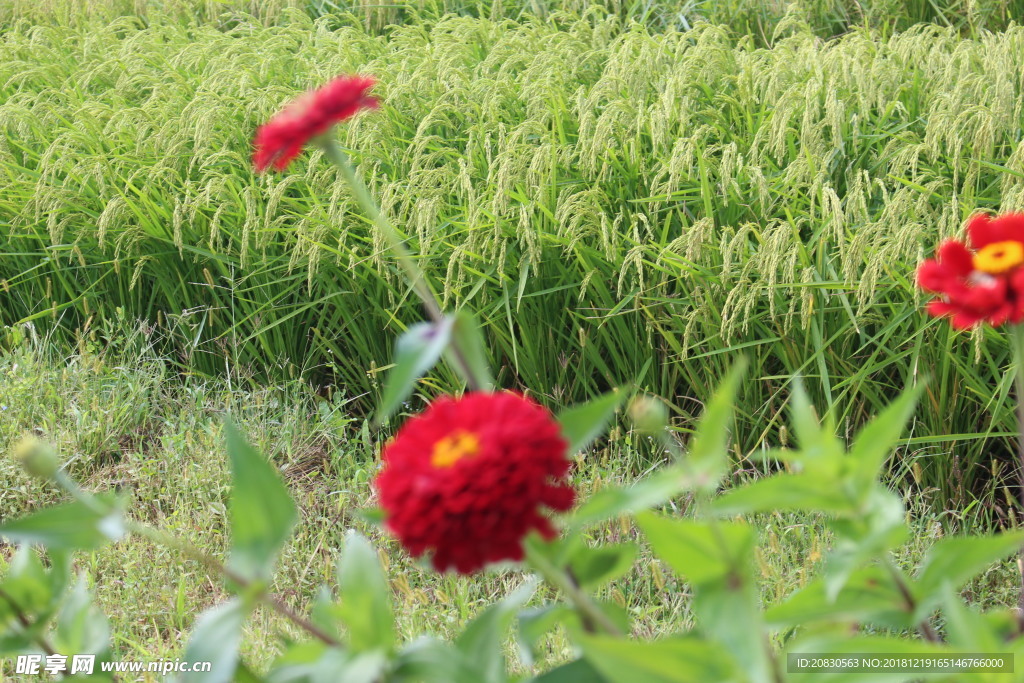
(127,426)
(619,204)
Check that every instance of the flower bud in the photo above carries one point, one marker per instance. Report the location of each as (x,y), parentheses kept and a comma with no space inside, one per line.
(37,457)
(649,414)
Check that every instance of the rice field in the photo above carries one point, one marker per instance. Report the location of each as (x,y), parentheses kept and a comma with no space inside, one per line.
(622,202)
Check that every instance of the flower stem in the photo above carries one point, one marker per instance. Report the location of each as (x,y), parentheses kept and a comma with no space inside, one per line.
(910,603)
(413,272)
(211,563)
(1017,342)
(584,603)
(26,623)
(215,566)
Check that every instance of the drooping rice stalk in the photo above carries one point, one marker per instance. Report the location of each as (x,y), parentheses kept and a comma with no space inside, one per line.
(618,204)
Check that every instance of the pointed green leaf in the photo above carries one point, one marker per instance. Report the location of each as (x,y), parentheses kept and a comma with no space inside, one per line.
(261,512)
(700,552)
(966,629)
(670,660)
(808,492)
(482,643)
(652,491)
(869,594)
(73,526)
(430,660)
(579,671)
(820,450)
(957,560)
(594,566)
(878,438)
(707,456)
(467,337)
(416,352)
(27,587)
(583,423)
(216,639)
(365,597)
(81,627)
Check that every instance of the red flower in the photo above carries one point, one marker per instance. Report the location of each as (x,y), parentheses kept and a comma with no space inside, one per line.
(466,479)
(983,285)
(282,138)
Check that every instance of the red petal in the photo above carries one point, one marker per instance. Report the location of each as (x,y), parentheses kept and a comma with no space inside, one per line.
(1010,227)
(982,231)
(955,255)
(932,276)
(963,320)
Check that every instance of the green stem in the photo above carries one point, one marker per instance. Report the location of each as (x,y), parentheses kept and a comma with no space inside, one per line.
(584,604)
(416,277)
(702,510)
(215,566)
(211,563)
(908,598)
(27,624)
(1017,342)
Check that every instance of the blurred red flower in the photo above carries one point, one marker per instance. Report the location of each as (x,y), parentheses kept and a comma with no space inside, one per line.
(282,138)
(467,478)
(982,282)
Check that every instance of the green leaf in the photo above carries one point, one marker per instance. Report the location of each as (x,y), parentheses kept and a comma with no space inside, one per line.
(593,566)
(81,627)
(73,526)
(957,560)
(325,613)
(365,597)
(671,660)
(261,512)
(653,491)
(728,612)
(707,457)
(372,516)
(353,667)
(715,558)
(579,671)
(28,585)
(966,629)
(482,643)
(866,537)
(700,552)
(583,423)
(430,660)
(315,662)
(869,594)
(819,449)
(806,491)
(534,624)
(416,352)
(303,663)
(470,341)
(216,639)
(877,439)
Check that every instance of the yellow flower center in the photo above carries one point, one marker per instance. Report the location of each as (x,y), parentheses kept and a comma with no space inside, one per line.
(999,257)
(454,447)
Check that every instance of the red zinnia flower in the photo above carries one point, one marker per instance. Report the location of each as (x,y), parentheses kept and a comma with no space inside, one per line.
(986,284)
(282,138)
(466,479)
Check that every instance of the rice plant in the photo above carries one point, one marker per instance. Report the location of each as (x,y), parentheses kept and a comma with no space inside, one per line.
(756,18)
(620,204)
